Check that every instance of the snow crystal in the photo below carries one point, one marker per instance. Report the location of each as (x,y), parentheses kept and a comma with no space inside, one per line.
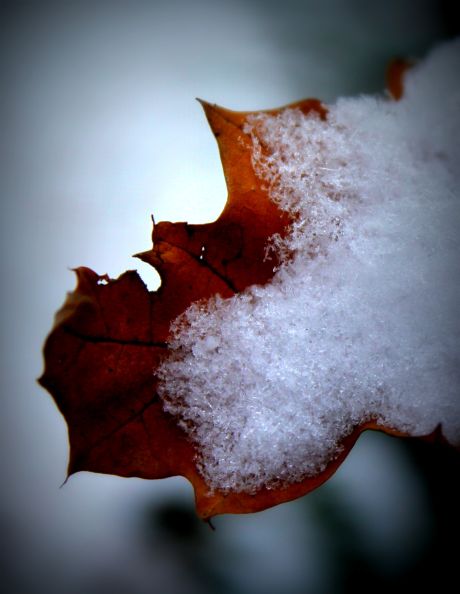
(362,321)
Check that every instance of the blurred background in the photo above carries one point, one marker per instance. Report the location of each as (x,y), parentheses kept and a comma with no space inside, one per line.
(99,130)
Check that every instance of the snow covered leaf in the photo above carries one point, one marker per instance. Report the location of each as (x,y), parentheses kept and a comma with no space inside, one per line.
(322,302)
(111,335)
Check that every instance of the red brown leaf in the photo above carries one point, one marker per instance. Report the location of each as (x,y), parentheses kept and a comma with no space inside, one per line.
(111,335)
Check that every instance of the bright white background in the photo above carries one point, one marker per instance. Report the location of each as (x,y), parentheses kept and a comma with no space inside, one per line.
(99,130)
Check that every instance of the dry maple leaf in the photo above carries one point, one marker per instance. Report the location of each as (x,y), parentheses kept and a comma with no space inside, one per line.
(111,335)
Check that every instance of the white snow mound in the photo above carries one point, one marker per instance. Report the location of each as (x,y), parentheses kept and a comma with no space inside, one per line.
(363,322)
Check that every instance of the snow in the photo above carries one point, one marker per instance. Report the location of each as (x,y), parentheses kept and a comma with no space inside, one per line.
(362,321)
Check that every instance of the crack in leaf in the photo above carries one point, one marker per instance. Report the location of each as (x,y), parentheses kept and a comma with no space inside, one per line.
(203,262)
(110,340)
